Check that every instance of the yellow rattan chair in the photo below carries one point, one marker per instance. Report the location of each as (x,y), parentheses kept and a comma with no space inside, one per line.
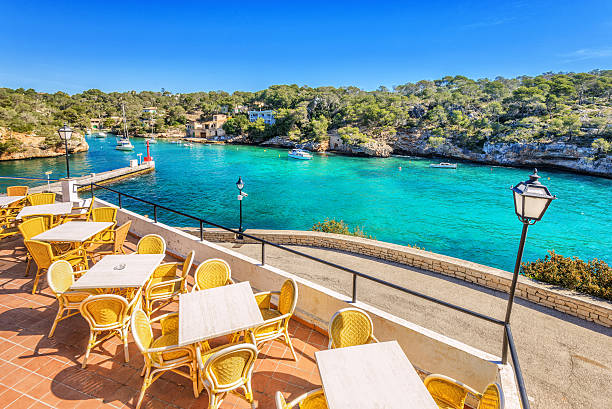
(448,393)
(8,226)
(227,369)
(98,248)
(276,320)
(48,219)
(17,191)
(60,277)
(212,273)
(162,354)
(151,244)
(36,199)
(311,400)
(167,282)
(15,207)
(43,256)
(110,314)
(30,228)
(350,327)
(491,398)
(105,214)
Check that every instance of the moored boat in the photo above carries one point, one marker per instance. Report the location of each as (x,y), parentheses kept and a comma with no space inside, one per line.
(123,143)
(299,154)
(444,165)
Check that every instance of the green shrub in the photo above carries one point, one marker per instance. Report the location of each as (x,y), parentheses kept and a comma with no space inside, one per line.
(339,227)
(10,145)
(593,277)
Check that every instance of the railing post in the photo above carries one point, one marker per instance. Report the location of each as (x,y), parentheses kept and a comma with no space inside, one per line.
(91,189)
(201,231)
(155,213)
(263,253)
(354,288)
(120,200)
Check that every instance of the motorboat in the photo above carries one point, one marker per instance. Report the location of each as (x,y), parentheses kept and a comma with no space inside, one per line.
(299,154)
(124,144)
(99,135)
(444,165)
(151,140)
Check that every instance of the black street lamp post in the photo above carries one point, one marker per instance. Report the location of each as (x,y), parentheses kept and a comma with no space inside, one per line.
(241,195)
(531,199)
(65,134)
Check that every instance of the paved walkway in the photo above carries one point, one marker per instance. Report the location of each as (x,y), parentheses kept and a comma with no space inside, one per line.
(567,362)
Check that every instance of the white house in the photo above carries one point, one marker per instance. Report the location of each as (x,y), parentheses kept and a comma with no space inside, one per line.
(268,116)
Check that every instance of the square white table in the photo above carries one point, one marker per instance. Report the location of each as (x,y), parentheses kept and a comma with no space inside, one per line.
(371,376)
(107,273)
(55,209)
(7,200)
(75,232)
(216,312)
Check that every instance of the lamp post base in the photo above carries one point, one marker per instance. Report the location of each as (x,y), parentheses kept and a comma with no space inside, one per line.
(69,190)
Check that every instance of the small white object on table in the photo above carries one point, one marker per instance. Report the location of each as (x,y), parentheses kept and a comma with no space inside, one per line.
(119,271)
(74,232)
(56,209)
(371,376)
(7,200)
(216,312)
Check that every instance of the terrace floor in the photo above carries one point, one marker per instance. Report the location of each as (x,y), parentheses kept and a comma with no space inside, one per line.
(40,372)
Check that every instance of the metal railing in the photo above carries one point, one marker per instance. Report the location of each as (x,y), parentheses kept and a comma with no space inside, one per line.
(507,331)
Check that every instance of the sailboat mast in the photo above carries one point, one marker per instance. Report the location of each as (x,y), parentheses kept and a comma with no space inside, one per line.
(125,132)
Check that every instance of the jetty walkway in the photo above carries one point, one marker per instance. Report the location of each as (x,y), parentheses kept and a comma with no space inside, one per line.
(566,361)
(101,178)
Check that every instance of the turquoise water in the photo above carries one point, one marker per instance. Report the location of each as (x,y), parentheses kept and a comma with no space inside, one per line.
(466,213)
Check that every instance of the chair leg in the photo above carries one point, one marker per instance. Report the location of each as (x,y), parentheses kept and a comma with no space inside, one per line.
(29,259)
(38,274)
(249,391)
(289,344)
(213,400)
(145,384)
(92,340)
(60,312)
(194,379)
(124,338)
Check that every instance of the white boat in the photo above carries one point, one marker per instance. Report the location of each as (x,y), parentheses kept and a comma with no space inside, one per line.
(299,154)
(444,165)
(151,140)
(123,143)
(99,135)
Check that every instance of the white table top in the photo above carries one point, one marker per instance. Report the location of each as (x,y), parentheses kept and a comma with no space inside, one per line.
(217,311)
(76,232)
(371,376)
(7,200)
(138,268)
(54,209)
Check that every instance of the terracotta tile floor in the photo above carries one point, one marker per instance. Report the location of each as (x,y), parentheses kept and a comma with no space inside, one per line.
(36,371)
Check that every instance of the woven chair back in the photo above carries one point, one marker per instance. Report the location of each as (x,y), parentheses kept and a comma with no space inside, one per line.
(104,214)
(121,234)
(151,244)
(231,366)
(31,227)
(41,252)
(141,330)
(288,297)
(350,327)
(492,398)
(37,199)
(446,394)
(212,273)
(104,311)
(17,191)
(60,277)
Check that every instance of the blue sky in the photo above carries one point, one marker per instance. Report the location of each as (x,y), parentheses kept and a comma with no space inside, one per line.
(201,46)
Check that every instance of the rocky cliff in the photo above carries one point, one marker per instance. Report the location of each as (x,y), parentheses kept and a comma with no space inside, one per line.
(15,145)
